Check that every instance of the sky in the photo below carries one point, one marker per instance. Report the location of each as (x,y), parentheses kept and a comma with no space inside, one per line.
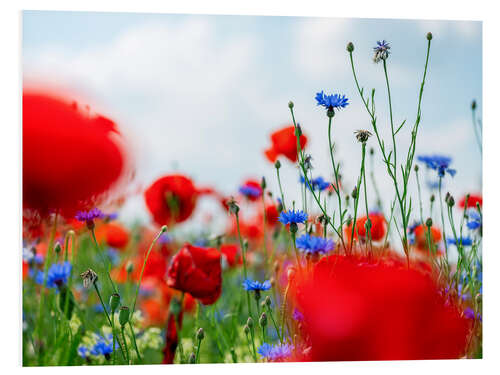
(201,94)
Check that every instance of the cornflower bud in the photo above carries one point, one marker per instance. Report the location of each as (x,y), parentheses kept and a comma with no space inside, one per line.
(200,334)
(350,47)
(428,222)
(290,104)
(429,36)
(263,320)
(250,322)
(277,164)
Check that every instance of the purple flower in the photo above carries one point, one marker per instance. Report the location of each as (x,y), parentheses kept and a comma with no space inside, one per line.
(88,217)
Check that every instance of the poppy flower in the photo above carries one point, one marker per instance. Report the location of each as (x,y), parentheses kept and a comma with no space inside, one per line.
(197,271)
(474,199)
(377,230)
(171,199)
(272,215)
(113,234)
(230,252)
(284,142)
(71,159)
(171,337)
(377,311)
(421,236)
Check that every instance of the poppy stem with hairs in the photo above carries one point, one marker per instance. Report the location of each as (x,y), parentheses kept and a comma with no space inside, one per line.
(368,230)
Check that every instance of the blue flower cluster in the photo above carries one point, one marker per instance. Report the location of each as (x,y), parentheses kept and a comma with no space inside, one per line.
(86,216)
(333,101)
(275,353)
(251,285)
(317,183)
(439,163)
(57,275)
(381,51)
(292,216)
(466,241)
(250,191)
(103,346)
(314,245)
(473,220)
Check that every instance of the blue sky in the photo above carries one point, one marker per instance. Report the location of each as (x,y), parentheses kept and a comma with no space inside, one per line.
(201,94)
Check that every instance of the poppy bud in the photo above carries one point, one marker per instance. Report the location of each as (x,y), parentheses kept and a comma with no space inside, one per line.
(428,222)
(447,197)
(277,164)
(290,104)
(268,301)
(164,229)
(433,198)
(429,36)
(372,151)
(124,315)
(200,334)
(246,329)
(57,248)
(263,320)
(250,322)
(192,358)
(350,47)
(451,201)
(473,105)
(263,183)
(416,168)
(354,193)
(129,267)
(114,302)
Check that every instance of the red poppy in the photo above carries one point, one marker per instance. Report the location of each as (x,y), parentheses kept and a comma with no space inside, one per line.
(474,199)
(171,199)
(171,338)
(197,271)
(284,142)
(113,234)
(272,215)
(377,311)
(421,236)
(70,158)
(377,230)
(231,253)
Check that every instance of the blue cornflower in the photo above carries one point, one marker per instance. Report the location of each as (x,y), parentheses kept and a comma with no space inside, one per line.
(439,163)
(88,217)
(250,191)
(313,244)
(317,183)
(85,216)
(275,353)
(83,351)
(473,220)
(381,51)
(112,216)
(113,255)
(164,239)
(256,286)
(297,315)
(466,241)
(57,275)
(292,216)
(103,346)
(333,101)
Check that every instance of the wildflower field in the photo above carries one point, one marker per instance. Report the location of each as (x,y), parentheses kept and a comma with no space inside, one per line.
(340,273)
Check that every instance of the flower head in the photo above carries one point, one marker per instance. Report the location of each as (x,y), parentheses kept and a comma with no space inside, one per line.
(331,102)
(439,163)
(362,135)
(275,353)
(251,190)
(71,157)
(103,346)
(474,220)
(58,274)
(381,51)
(171,199)
(253,285)
(464,241)
(197,271)
(292,216)
(314,245)
(88,217)
(284,142)
(317,183)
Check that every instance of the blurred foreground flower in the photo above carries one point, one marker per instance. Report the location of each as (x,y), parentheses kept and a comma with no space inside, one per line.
(284,142)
